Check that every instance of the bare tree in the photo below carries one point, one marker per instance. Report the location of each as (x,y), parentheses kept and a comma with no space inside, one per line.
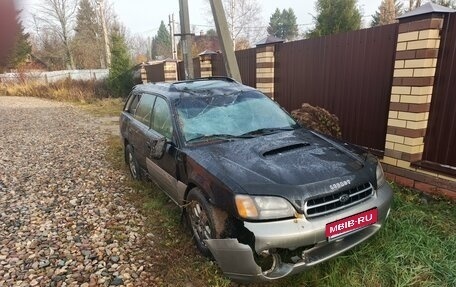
(414,4)
(387,12)
(58,17)
(139,48)
(243,17)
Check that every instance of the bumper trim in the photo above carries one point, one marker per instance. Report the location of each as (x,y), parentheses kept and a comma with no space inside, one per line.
(237,262)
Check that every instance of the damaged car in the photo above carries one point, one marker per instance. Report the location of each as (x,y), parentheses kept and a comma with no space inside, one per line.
(263,196)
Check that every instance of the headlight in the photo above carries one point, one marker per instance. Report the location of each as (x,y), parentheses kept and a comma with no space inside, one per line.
(380,176)
(263,207)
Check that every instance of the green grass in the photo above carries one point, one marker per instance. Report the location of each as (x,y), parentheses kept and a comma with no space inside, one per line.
(416,247)
(103,107)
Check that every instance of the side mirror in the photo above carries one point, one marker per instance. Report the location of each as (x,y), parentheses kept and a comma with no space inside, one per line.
(157,149)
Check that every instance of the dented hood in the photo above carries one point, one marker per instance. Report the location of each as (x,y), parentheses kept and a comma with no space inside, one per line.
(284,164)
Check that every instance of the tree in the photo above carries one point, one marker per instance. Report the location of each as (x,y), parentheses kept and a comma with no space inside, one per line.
(387,13)
(87,43)
(211,33)
(414,4)
(57,16)
(21,46)
(243,17)
(162,43)
(283,24)
(120,77)
(335,16)
(7,21)
(446,3)
(139,48)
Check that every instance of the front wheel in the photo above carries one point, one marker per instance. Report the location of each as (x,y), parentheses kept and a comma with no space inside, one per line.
(201,218)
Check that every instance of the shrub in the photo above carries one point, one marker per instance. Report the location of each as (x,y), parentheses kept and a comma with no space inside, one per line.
(64,90)
(318,119)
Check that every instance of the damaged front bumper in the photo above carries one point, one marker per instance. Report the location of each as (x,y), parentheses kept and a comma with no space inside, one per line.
(237,260)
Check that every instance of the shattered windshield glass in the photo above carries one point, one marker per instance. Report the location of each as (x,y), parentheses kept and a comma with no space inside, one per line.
(233,115)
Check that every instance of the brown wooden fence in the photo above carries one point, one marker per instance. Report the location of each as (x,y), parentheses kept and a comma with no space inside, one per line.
(246,60)
(196,69)
(349,74)
(440,141)
(218,66)
(247,66)
(156,73)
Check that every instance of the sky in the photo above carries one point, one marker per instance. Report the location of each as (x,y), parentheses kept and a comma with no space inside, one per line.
(143,16)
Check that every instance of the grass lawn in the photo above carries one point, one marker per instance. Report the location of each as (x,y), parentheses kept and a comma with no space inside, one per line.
(417,246)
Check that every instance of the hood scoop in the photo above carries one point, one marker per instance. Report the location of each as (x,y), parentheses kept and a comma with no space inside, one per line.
(284,149)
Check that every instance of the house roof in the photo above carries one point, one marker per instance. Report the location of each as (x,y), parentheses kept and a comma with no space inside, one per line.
(427,9)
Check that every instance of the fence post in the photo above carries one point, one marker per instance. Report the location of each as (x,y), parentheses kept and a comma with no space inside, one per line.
(417,50)
(265,65)
(170,70)
(143,73)
(206,63)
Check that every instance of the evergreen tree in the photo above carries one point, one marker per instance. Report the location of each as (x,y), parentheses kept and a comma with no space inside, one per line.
(387,12)
(16,54)
(335,16)
(283,24)
(22,47)
(120,78)
(162,42)
(87,48)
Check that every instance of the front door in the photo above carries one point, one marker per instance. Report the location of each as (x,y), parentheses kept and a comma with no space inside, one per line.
(163,169)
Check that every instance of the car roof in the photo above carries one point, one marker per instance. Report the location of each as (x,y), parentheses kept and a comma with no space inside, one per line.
(196,88)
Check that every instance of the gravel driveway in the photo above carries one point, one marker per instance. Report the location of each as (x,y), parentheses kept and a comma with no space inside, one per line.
(63,217)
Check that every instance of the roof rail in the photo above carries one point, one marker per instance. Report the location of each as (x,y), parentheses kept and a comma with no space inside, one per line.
(220,78)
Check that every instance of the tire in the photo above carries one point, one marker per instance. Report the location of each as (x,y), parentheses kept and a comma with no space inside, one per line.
(200,216)
(132,163)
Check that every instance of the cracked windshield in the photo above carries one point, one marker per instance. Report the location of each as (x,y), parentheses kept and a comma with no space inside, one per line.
(230,115)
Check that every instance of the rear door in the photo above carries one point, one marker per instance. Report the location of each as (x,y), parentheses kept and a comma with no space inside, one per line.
(138,129)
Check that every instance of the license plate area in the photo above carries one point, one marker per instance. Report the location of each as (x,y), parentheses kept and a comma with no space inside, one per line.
(350,224)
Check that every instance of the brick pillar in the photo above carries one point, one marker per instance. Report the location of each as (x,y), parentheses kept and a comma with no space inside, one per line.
(206,63)
(265,63)
(143,74)
(411,94)
(170,69)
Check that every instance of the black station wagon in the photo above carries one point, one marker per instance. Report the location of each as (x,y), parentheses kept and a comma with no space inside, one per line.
(263,196)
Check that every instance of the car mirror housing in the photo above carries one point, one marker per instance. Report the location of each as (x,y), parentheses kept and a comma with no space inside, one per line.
(158,149)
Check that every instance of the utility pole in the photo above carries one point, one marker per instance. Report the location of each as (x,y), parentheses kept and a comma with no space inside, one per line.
(186,39)
(173,40)
(105,32)
(223,32)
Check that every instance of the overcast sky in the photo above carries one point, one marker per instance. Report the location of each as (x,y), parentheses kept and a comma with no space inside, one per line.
(144,16)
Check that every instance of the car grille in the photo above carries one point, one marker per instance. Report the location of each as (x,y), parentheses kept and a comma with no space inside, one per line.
(330,203)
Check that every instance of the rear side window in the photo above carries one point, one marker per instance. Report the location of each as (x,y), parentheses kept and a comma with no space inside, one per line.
(134,103)
(144,109)
(161,122)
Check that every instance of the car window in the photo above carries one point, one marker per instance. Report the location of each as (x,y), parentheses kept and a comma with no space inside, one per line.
(161,122)
(133,103)
(144,109)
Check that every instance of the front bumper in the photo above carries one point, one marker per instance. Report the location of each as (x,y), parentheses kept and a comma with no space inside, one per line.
(237,260)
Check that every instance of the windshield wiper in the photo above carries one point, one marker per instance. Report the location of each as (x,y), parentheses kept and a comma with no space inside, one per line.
(217,137)
(267,131)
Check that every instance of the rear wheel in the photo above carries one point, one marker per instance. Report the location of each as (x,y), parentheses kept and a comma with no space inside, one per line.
(201,218)
(133,166)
